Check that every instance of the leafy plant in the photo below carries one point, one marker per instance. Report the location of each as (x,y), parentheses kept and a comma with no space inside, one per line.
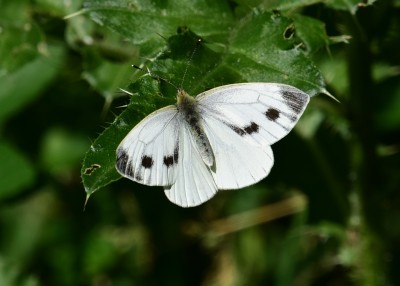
(259,46)
(328,212)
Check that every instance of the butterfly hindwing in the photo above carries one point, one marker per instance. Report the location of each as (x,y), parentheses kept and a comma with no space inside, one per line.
(149,153)
(194,183)
(237,162)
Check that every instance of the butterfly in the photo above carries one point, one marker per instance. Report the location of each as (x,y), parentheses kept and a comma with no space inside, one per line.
(219,140)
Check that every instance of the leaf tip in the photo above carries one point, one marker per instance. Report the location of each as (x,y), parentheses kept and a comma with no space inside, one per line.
(86,201)
(330,95)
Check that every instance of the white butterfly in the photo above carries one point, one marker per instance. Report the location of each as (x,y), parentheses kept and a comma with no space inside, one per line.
(216,141)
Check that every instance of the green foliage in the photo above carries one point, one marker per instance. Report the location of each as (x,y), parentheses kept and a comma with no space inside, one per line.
(326,215)
(247,57)
(16,172)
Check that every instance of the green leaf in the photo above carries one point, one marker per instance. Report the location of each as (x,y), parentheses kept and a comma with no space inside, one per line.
(290,4)
(17,87)
(16,171)
(18,45)
(61,151)
(312,32)
(98,169)
(14,11)
(145,23)
(58,7)
(11,274)
(249,57)
(106,77)
(263,50)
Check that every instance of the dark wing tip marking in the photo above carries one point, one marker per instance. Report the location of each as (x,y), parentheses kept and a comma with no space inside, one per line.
(147,162)
(123,163)
(122,160)
(272,114)
(295,99)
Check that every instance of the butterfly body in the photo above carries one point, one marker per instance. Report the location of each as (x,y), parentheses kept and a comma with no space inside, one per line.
(218,140)
(187,107)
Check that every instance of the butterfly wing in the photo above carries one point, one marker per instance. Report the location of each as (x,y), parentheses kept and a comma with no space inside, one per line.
(149,153)
(161,151)
(241,122)
(261,113)
(237,162)
(194,183)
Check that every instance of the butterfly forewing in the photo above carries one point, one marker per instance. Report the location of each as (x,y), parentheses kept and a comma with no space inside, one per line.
(149,153)
(261,113)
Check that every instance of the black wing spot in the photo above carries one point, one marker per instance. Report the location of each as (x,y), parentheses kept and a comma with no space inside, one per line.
(172,159)
(168,161)
(272,114)
(252,128)
(147,162)
(238,130)
(138,178)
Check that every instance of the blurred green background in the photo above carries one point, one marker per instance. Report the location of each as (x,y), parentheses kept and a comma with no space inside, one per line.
(328,214)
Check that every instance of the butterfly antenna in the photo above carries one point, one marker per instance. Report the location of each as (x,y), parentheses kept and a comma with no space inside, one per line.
(155,76)
(189,61)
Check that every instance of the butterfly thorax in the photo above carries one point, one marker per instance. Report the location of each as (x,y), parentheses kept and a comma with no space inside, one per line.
(188,109)
(183,98)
